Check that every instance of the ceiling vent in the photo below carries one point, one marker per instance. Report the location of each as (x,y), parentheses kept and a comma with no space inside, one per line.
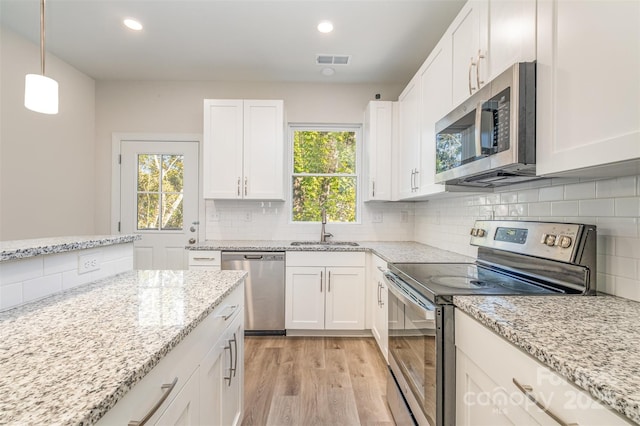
(333,59)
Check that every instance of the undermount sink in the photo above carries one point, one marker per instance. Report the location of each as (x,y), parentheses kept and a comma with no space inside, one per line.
(324,243)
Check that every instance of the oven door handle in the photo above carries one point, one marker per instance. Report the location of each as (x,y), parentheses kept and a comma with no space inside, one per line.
(428,310)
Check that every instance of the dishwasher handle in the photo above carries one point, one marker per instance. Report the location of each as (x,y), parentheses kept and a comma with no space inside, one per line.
(253,256)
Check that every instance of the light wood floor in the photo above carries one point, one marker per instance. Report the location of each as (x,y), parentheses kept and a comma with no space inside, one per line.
(314,381)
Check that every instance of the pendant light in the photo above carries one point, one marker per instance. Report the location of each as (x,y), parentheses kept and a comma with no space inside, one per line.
(41,92)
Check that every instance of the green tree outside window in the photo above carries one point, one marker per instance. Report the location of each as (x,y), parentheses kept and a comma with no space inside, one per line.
(324,175)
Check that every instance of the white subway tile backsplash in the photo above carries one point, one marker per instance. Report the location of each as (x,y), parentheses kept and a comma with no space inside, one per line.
(509,197)
(564,208)
(553,193)
(625,247)
(40,287)
(518,210)
(10,295)
(619,187)
(493,198)
(603,207)
(628,288)
(629,207)
(580,191)
(529,196)
(540,209)
(61,262)
(20,270)
(618,226)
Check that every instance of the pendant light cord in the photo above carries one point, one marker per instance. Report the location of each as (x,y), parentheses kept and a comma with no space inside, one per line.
(42,36)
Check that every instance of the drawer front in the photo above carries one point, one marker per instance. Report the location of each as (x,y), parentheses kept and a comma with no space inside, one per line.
(503,362)
(204,258)
(311,258)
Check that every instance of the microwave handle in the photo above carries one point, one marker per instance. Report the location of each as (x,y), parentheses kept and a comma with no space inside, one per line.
(478,130)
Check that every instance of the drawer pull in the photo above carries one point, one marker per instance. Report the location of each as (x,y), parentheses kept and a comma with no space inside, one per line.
(526,390)
(167,387)
(235,352)
(226,308)
(204,258)
(228,379)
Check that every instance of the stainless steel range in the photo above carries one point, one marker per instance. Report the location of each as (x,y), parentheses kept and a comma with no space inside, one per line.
(514,258)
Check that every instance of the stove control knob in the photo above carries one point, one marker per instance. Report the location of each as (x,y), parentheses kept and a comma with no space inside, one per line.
(481,233)
(549,239)
(565,241)
(474,232)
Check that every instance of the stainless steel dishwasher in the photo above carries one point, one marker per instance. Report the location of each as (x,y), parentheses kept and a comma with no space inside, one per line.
(264,290)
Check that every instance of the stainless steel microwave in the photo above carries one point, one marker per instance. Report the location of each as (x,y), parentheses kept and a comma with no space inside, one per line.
(490,139)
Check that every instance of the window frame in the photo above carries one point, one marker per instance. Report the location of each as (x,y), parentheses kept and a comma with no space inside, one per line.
(357,129)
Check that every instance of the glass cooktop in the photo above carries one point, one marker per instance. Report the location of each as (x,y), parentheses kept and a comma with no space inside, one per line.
(437,280)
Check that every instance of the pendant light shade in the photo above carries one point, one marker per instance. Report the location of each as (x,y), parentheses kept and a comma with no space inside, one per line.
(41,92)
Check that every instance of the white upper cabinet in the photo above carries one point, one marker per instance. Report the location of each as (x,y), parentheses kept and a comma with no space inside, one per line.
(588,93)
(409,143)
(435,101)
(512,35)
(243,149)
(468,36)
(487,37)
(378,136)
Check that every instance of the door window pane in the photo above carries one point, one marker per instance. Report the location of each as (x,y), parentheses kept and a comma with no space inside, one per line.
(160,191)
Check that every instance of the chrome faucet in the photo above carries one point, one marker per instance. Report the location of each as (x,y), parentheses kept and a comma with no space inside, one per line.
(323,234)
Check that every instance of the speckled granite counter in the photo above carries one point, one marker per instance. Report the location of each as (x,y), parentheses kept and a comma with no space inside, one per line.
(69,358)
(594,342)
(20,249)
(391,251)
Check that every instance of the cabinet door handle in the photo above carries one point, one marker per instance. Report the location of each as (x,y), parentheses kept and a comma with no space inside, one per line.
(329,283)
(412,175)
(379,286)
(167,387)
(234,367)
(416,179)
(226,316)
(373,189)
(527,391)
(471,65)
(320,281)
(480,57)
(246,184)
(238,186)
(228,379)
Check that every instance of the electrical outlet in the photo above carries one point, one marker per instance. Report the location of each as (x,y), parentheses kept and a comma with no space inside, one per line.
(214,216)
(376,217)
(404,216)
(88,263)
(248,216)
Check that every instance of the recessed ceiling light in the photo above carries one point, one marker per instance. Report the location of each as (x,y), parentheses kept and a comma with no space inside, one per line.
(325,27)
(133,24)
(328,71)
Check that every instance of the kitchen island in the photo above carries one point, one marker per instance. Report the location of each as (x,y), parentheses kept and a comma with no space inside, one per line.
(592,342)
(69,358)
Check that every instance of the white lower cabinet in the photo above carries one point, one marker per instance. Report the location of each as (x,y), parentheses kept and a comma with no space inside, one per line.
(496,384)
(206,260)
(221,378)
(326,294)
(183,410)
(379,301)
(189,386)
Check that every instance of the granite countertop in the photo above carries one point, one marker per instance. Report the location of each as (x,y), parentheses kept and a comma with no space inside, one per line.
(593,342)
(20,249)
(69,358)
(391,251)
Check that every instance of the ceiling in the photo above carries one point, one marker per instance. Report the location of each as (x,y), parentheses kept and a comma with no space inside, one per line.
(238,40)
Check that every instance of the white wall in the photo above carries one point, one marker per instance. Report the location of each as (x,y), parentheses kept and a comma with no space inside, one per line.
(177,107)
(47,170)
(613,205)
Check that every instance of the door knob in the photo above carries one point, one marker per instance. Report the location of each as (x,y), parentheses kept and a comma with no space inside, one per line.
(192,240)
